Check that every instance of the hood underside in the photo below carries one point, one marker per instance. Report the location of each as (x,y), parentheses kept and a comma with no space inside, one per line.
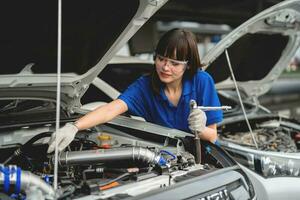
(92,32)
(258,50)
(252,57)
(29,34)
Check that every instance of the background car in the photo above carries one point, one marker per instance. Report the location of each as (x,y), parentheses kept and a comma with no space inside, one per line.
(245,65)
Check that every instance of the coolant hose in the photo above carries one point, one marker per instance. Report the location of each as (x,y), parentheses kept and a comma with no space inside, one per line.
(110,155)
(27,145)
(21,180)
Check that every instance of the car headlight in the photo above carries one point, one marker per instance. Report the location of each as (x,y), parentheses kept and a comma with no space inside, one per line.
(268,164)
(279,166)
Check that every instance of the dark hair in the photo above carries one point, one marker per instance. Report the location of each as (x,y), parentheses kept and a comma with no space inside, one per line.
(184,43)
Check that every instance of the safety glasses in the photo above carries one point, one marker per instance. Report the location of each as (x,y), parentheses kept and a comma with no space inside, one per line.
(173,62)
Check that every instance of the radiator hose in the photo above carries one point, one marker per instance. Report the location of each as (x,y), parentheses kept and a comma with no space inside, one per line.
(110,155)
(14,180)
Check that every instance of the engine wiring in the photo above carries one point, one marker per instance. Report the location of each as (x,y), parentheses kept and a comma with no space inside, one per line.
(268,139)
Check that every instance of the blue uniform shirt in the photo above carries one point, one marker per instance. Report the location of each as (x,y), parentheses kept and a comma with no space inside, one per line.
(141,101)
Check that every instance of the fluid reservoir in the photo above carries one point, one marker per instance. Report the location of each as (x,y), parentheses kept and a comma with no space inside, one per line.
(105,141)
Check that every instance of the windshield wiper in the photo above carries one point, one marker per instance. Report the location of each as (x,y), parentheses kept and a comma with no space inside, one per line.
(12,105)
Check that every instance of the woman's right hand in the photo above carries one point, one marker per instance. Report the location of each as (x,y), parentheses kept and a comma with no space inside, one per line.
(64,137)
(197,121)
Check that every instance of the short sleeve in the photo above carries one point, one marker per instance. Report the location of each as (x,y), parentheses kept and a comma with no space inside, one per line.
(134,97)
(209,97)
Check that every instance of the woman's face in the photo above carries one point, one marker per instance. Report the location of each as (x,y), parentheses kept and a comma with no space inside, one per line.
(169,70)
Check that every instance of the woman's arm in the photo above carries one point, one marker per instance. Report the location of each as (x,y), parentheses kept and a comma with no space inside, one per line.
(102,114)
(209,133)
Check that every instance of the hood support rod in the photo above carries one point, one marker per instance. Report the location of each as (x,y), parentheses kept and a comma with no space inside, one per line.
(59,30)
(240,99)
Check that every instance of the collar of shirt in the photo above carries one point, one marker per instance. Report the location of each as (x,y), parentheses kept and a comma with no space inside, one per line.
(187,89)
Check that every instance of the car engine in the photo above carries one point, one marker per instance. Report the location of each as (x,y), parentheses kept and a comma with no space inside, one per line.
(271,135)
(101,162)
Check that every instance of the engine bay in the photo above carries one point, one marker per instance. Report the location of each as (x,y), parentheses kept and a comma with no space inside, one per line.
(270,135)
(104,161)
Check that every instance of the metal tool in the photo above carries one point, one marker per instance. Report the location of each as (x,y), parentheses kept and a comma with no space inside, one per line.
(193,105)
(208,108)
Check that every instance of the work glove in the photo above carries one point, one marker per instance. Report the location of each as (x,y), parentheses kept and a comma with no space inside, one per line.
(64,137)
(196,119)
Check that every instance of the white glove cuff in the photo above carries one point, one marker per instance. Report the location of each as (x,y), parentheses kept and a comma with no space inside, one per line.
(72,126)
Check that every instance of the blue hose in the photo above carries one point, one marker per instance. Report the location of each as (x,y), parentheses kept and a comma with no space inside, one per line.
(168,153)
(7,171)
(18,181)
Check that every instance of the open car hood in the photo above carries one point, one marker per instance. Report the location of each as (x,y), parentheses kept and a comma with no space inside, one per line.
(91,36)
(259,49)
